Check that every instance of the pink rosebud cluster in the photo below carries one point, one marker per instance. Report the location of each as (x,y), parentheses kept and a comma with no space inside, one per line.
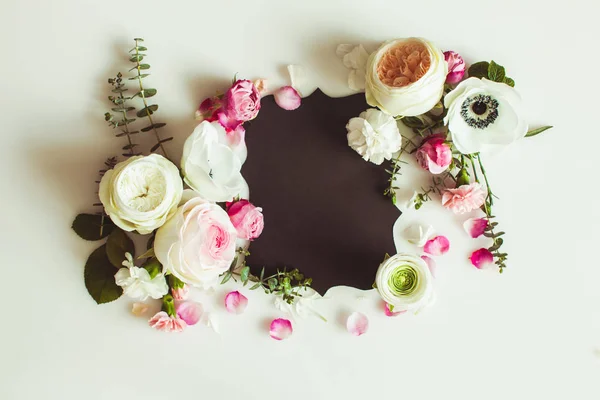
(456,67)
(435,154)
(246,218)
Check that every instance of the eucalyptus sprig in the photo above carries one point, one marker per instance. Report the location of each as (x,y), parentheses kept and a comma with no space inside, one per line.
(121,106)
(137,57)
(390,191)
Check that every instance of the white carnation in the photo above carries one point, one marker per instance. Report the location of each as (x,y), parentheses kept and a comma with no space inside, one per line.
(138,285)
(374,135)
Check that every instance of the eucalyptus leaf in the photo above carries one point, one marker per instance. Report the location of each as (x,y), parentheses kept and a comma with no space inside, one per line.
(479,69)
(147,111)
(147,93)
(136,57)
(244,274)
(99,277)
(117,245)
(537,131)
(154,126)
(92,226)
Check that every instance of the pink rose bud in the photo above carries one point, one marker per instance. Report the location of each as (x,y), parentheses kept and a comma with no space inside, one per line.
(464,198)
(456,67)
(181,293)
(434,155)
(241,103)
(246,218)
(163,322)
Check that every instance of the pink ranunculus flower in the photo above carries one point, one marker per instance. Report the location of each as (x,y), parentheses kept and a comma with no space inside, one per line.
(456,67)
(246,218)
(181,293)
(163,322)
(241,103)
(464,198)
(435,154)
(197,243)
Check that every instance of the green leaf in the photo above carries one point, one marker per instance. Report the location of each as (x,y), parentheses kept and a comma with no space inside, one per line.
(154,267)
(537,131)
(226,277)
(157,145)
(147,111)
(122,109)
(509,81)
(92,226)
(136,57)
(479,69)
(154,126)
(99,277)
(496,72)
(117,245)
(148,254)
(256,286)
(244,274)
(413,122)
(147,93)
(138,39)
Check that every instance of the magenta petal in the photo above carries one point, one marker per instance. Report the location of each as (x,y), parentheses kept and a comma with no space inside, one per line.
(280,329)
(230,124)
(475,226)
(287,98)
(482,258)
(390,313)
(235,302)
(437,246)
(190,312)
(431,264)
(357,324)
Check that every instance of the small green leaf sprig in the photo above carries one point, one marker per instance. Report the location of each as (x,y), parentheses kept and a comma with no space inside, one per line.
(121,106)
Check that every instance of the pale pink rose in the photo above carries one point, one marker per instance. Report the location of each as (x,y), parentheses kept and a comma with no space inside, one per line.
(181,294)
(246,218)
(241,103)
(456,67)
(163,322)
(465,198)
(482,258)
(434,155)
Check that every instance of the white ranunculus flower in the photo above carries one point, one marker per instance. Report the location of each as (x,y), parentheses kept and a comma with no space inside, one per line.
(138,285)
(406,77)
(374,135)
(140,193)
(212,162)
(405,282)
(483,115)
(198,243)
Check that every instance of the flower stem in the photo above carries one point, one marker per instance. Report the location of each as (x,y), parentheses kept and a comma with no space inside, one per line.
(490,194)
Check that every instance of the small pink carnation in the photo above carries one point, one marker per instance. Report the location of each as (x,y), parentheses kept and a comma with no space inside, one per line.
(456,67)
(163,322)
(181,293)
(464,198)
(434,155)
(247,219)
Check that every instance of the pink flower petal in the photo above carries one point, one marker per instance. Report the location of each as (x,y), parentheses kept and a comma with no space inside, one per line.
(482,258)
(280,329)
(475,226)
(287,98)
(390,313)
(190,311)
(163,322)
(431,264)
(235,302)
(357,324)
(437,246)
(138,309)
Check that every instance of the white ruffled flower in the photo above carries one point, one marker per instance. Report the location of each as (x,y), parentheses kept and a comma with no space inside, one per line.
(405,77)
(141,192)
(374,135)
(355,59)
(405,282)
(212,161)
(483,115)
(138,285)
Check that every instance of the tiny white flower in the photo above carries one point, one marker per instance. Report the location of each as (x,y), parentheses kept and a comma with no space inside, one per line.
(374,135)
(138,285)
(128,262)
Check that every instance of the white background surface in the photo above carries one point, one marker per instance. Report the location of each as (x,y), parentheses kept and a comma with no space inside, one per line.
(533,332)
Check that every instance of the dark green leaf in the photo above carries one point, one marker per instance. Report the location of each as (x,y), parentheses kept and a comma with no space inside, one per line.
(99,277)
(413,122)
(129,146)
(138,39)
(92,227)
(119,90)
(117,245)
(148,254)
(136,58)
(256,286)
(509,81)
(147,93)
(226,277)
(262,274)
(122,109)
(153,266)
(496,72)
(157,145)
(154,126)
(147,111)
(479,69)
(537,131)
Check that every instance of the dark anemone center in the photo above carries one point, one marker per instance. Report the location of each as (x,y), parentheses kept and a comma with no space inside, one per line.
(479,107)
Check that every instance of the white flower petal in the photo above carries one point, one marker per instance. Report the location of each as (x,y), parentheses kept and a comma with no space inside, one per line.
(357,324)
(419,234)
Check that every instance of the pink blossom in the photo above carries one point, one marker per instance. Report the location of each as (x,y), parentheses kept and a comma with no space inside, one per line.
(482,258)
(389,311)
(235,302)
(430,263)
(434,155)
(163,322)
(456,67)
(181,293)
(437,246)
(190,311)
(475,226)
(465,198)
(208,109)
(241,103)
(287,98)
(280,329)
(357,324)
(246,218)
